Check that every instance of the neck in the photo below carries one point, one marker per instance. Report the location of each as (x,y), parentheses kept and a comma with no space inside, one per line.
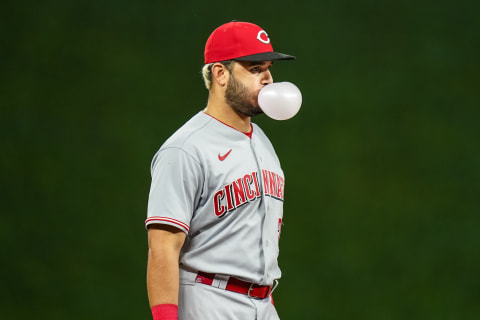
(223,112)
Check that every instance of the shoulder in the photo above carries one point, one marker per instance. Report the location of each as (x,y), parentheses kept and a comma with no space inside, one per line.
(181,148)
(188,134)
(182,145)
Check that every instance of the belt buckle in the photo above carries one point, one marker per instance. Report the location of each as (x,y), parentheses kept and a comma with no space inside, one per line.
(250,290)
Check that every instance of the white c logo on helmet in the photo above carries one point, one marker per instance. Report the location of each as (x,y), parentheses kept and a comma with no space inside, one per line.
(259,37)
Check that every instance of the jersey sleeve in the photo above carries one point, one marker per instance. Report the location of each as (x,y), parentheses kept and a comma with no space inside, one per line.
(175,188)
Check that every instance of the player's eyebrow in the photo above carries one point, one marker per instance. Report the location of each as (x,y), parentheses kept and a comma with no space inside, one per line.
(258,63)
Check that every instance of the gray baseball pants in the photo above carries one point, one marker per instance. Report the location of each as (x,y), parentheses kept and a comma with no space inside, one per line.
(198,301)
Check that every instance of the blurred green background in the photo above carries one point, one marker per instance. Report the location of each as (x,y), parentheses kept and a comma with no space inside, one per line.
(382,162)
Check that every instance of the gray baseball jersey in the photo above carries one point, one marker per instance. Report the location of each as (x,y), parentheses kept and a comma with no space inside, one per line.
(225,190)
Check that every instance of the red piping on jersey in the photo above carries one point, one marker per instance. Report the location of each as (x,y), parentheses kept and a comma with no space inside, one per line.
(165,219)
(248,134)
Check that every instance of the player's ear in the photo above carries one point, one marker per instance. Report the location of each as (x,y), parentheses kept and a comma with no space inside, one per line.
(220,74)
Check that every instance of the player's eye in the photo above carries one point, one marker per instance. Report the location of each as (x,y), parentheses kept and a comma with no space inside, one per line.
(258,68)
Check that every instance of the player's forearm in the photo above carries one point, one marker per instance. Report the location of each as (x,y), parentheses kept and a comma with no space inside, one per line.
(162,277)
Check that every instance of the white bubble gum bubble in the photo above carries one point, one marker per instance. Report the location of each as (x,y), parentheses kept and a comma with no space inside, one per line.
(280,100)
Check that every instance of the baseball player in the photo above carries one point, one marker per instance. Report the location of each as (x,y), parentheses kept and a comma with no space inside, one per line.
(215,206)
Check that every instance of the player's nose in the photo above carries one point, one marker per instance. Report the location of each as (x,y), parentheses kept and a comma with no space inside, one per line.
(267,78)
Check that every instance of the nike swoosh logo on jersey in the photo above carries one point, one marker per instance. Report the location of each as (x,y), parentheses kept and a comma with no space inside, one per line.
(221,158)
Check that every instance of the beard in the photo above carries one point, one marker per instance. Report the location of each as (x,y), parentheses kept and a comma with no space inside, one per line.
(240,99)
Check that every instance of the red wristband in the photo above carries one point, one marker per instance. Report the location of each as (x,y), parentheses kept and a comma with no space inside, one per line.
(165,312)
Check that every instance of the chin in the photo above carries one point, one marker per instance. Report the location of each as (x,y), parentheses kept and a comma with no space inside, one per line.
(257,111)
